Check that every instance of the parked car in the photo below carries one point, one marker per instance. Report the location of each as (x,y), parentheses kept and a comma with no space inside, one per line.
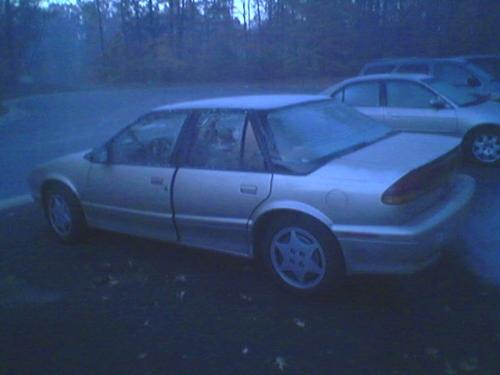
(479,72)
(312,188)
(420,103)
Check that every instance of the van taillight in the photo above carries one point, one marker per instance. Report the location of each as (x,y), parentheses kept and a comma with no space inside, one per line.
(423,179)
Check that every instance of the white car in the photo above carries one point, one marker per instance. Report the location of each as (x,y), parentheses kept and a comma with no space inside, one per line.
(419,103)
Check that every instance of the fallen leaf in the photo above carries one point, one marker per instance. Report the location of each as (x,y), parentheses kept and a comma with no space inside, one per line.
(432,352)
(180,278)
(101,280)
(245,297)
(280,363)
(181,294)
(448,370)
(468,365)
(299,323)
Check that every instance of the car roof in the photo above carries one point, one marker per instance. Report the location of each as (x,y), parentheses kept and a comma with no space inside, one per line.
(467,57)
(250,102)
(399,60)
(376,77)
(417,59)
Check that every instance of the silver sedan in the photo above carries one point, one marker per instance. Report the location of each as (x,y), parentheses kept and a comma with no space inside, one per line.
(314,189)
(419,103)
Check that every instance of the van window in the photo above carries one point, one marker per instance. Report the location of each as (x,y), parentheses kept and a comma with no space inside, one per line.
(414,68)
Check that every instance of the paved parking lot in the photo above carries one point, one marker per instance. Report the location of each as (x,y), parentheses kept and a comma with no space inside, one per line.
(122,305)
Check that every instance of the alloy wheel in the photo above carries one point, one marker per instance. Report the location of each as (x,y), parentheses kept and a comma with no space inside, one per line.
(298,258)
(486,147)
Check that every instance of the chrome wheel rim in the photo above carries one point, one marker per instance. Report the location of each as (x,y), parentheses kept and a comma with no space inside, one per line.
(486,148)
(59,215)
(298,258)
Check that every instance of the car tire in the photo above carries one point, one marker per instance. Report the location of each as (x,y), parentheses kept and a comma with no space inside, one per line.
(302,255)
(64,214)
(482,146)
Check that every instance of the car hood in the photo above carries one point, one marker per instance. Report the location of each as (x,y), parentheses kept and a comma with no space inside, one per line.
(389,159)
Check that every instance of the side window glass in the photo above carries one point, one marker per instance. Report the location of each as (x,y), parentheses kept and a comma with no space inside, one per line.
(408,95)
(253,159)
(149,142)
(414,68)
(218,140)
(452,73)
(365,94)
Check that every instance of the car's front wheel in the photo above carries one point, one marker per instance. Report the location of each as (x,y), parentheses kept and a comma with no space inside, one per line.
(64,214)
(483,146)
(302,254)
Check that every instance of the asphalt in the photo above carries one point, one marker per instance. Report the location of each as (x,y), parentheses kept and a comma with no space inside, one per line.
(122,305)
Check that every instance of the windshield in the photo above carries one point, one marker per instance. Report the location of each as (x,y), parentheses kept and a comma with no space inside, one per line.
(461,96)
(314,131)
(490,65)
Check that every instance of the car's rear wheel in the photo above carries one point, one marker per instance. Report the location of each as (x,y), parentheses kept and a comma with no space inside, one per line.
(483,146)
(302,254)
(64,214)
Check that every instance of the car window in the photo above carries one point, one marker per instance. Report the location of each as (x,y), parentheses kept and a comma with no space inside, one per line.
(252,156)
(218,142)
(452,73)
(337,128)
(403,94)
(365,94)
(414,68)
(149,142)
(378,69)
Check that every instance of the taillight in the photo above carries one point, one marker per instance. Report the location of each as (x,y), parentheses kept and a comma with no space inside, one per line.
(422,180)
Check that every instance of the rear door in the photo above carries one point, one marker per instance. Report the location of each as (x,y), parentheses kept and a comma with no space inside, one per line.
(409,108)
(130,193)
(364,96)
(220,182)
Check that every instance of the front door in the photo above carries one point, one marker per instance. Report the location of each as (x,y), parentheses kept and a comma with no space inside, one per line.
(409,108)
(130,193)
(221,183)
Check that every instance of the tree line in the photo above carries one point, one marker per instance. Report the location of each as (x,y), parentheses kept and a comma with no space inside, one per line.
(181,40)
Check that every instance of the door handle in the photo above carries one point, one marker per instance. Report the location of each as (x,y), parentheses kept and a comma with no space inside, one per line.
(248,189)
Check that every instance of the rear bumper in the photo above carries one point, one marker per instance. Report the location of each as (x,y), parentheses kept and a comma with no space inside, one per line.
(409,247)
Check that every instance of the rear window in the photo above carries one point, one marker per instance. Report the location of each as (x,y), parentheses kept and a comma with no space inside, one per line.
(379,69)
(310,132)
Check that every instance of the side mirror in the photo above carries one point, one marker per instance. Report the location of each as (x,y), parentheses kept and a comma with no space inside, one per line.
(98,155)
(473,82)
(437,103)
